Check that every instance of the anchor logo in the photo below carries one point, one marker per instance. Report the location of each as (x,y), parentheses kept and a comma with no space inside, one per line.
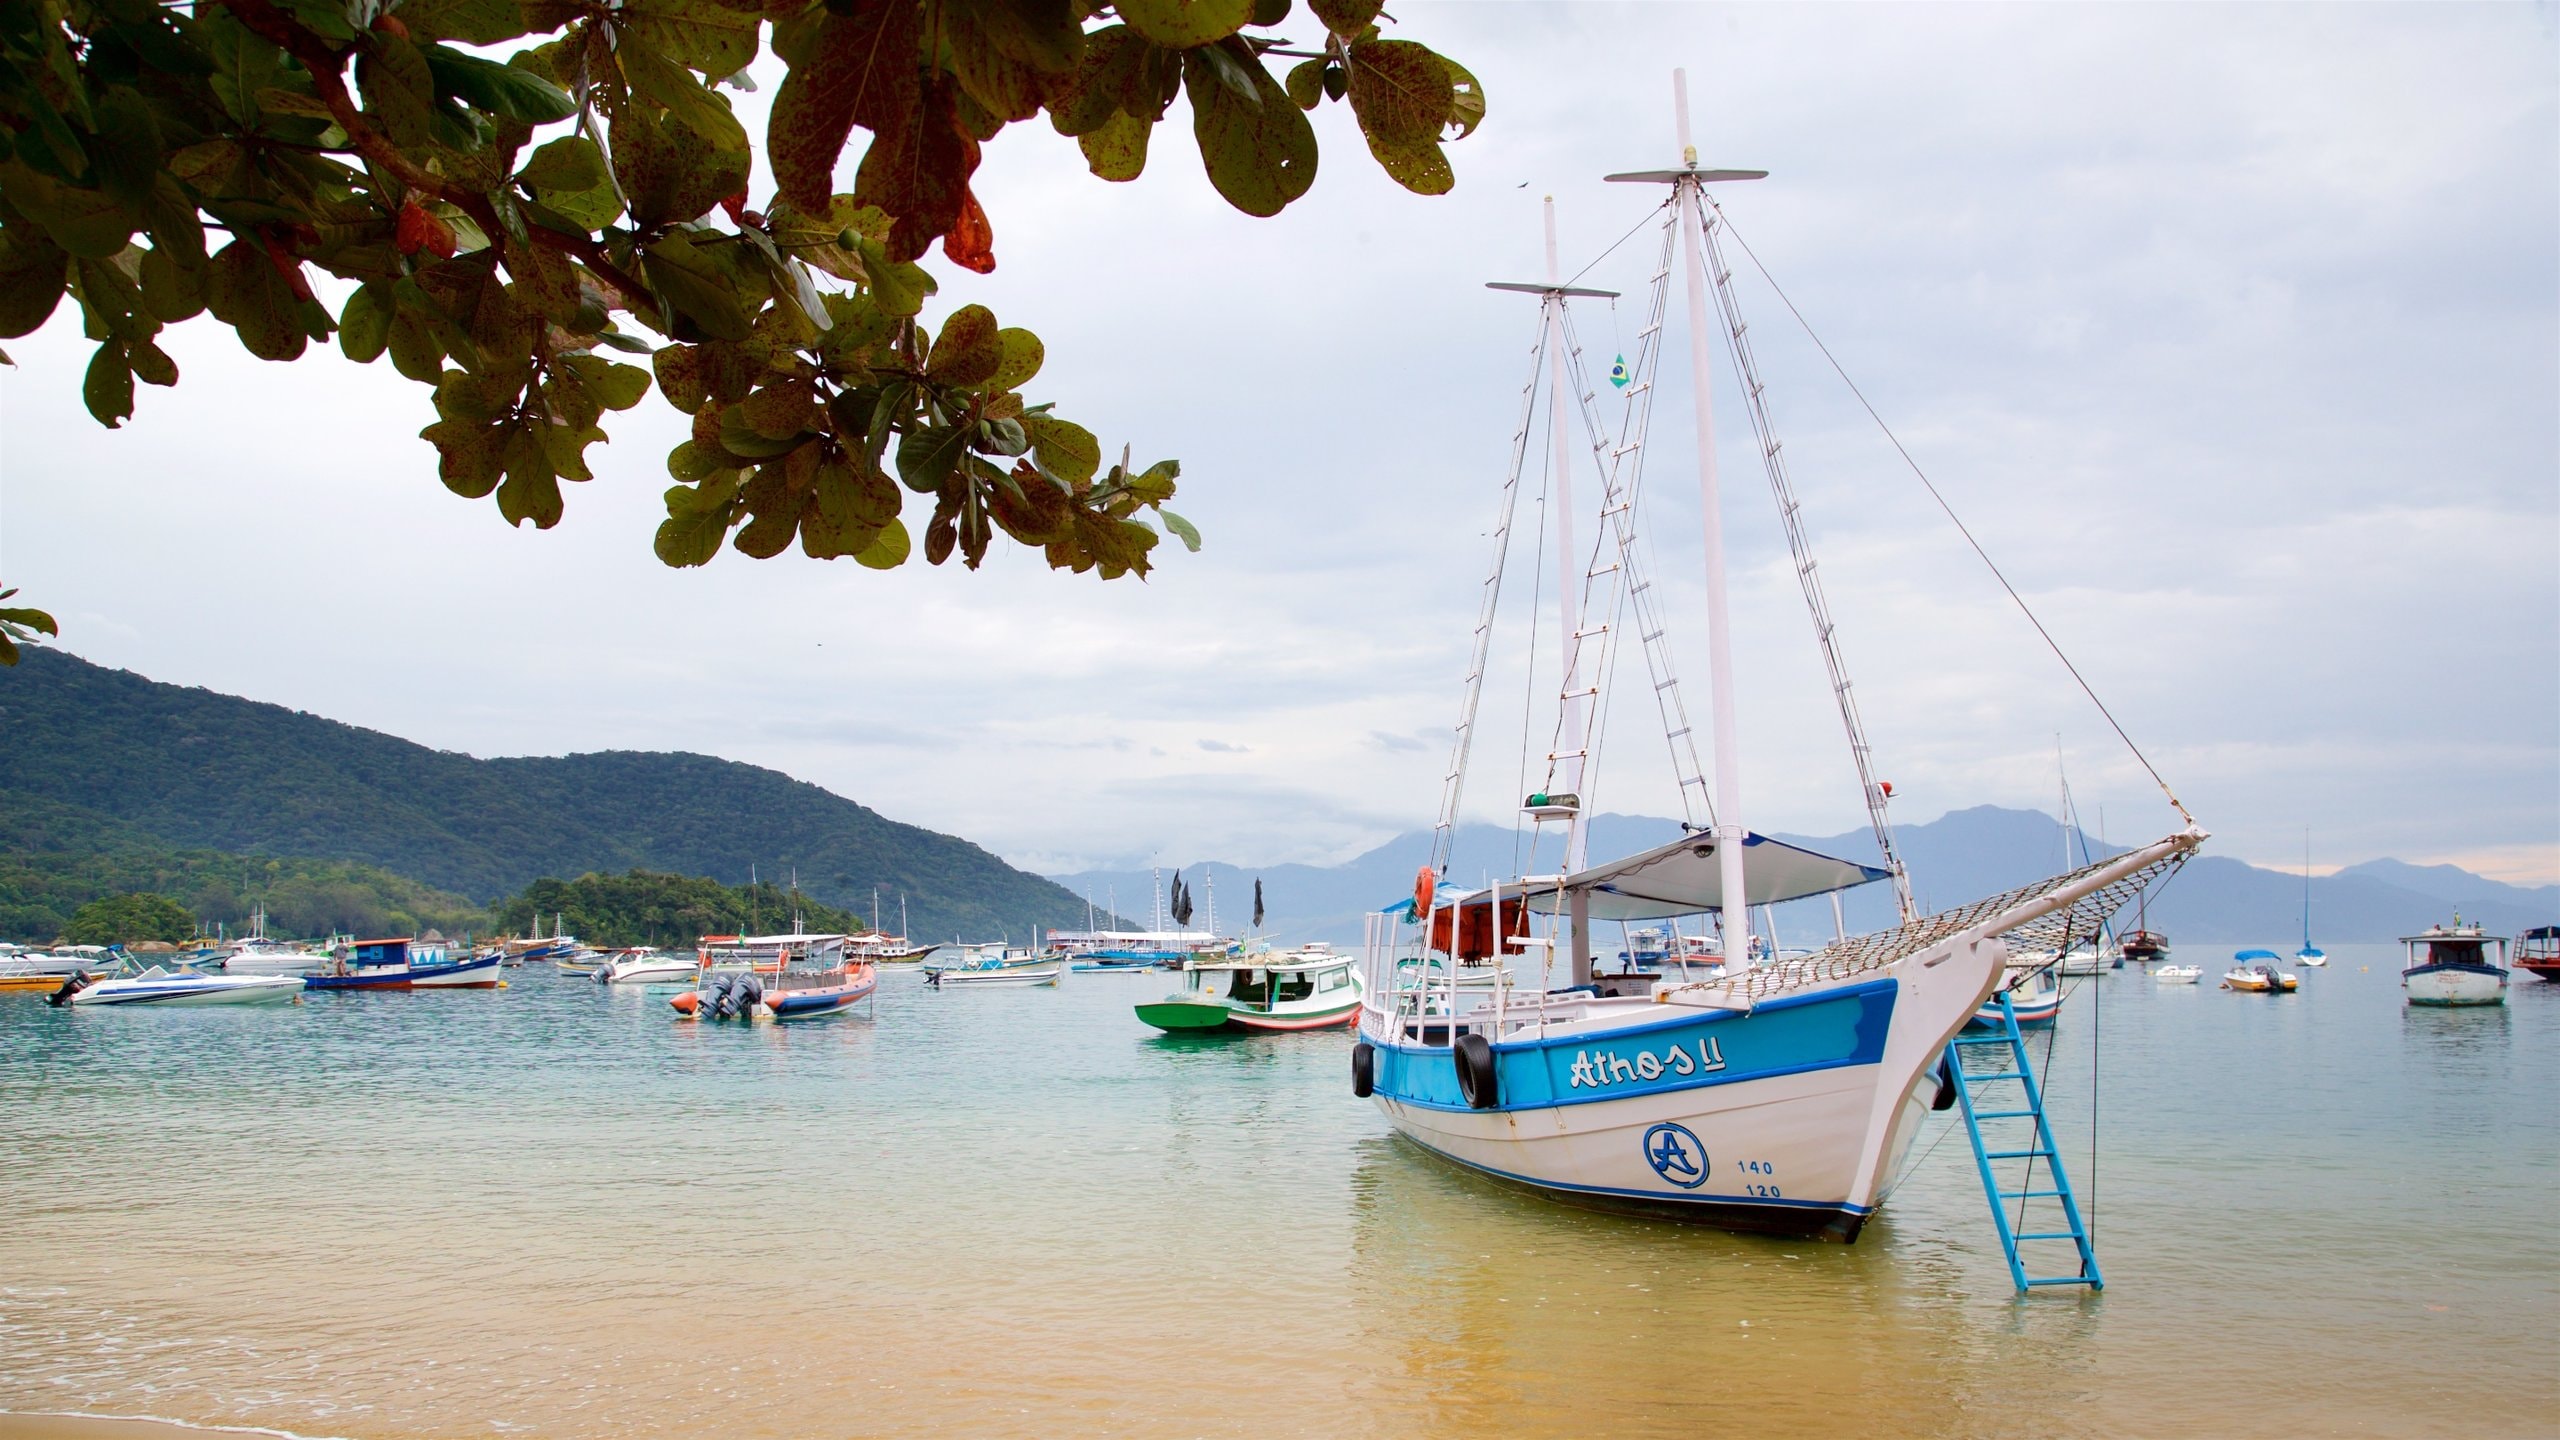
(1676,1155)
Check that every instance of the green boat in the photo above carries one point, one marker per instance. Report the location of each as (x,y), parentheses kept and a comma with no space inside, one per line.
(1309,988)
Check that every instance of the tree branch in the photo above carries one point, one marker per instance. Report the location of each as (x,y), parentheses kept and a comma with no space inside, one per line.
(328,77)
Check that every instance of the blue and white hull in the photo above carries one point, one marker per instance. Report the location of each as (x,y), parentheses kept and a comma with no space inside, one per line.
(2457,984)
(1792,1117)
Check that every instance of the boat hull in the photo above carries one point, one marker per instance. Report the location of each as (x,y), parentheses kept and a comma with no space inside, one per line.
(1040,975)
(476,973)
(204,990)
(2455,985)
(1188,1016)
(1792,1118)
(2541,969)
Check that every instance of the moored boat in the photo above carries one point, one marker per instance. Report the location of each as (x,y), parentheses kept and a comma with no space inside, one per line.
(2537,952)
(404,963)
(792,993)
(644,966)
(2455,965)
(181,987)
(2143,947)
(46,970)
(2255,972)
(1310,988)
(2178,974)
(2310,954)
(2035,995)
(996,964)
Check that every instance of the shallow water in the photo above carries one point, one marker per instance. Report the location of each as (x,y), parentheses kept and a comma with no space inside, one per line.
(550,1210)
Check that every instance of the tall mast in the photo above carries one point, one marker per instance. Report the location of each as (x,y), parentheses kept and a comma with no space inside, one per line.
(1573,745)
(1729,831)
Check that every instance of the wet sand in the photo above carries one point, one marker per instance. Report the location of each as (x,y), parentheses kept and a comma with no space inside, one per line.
(95,1427)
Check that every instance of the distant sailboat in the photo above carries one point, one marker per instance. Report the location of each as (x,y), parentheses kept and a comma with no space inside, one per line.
(2309,954)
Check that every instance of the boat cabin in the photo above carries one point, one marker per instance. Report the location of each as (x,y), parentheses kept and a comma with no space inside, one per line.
(2459,947)
(1265,980)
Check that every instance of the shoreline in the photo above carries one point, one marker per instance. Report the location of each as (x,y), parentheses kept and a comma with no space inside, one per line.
(88,1425)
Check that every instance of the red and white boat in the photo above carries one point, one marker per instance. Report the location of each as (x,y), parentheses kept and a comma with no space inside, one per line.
(788,994)
(2538,951)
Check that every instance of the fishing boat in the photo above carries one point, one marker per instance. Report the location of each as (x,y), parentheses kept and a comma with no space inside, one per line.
(2255,972)
(2178,974)
(2144,947)
(795,992)
(2310,954)
(2035,996)
(2537,952)
(404,963)
(2455,965)
(1312,987)
(772,954)
(159,986)
(1784,1097)
(996,964)
(644,966)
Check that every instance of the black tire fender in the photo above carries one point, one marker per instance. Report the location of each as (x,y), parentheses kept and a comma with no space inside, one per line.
(1474,1057)
(1945,1099)
(1364,1069)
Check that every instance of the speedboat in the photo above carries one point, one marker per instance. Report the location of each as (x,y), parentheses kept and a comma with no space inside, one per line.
(1310,988)
(2455,965)
(2255,972)
(261,956)
(158,986)
(997,965)
(38,970)
(2537,952)
(643,966)
(2178,974)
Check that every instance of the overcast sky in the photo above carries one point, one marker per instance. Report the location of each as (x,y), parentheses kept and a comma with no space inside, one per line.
(2231,331)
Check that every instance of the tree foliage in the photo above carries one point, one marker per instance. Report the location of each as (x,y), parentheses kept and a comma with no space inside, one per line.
(129,919)
(510,227)
(645,907)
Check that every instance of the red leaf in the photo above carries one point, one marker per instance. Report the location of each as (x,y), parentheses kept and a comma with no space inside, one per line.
(859,69)
(972,241)
(736,205)
(418,230)
(920,176)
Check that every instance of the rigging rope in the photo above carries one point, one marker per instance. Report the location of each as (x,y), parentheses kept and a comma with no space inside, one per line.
(1949,510)
(1537,594)
(1614,244)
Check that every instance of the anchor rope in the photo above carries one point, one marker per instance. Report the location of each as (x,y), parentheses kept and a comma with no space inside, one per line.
(1952,518)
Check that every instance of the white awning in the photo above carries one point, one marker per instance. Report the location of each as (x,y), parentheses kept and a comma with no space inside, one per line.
(1686,877)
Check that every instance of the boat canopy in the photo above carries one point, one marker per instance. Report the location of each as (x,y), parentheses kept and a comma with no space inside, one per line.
(1684,877)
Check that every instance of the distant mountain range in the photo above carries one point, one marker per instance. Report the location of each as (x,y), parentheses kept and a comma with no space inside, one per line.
(106,757)
(1959,857)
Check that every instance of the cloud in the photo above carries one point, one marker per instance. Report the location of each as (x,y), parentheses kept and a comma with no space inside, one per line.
(1221,747)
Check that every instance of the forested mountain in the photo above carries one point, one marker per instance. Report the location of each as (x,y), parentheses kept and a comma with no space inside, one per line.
(641,907)
(110,752)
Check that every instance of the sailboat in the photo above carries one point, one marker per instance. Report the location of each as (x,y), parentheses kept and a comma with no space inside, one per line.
(2309,954)
(1782,1097)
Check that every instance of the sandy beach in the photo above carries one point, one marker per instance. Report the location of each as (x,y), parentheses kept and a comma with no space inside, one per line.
(99,1427)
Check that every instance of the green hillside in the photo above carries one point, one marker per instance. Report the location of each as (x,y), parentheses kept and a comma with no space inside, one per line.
(642,907)
(192,769)
(55,858)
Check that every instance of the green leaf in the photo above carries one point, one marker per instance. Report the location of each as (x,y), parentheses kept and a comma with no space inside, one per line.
(899,286)
(668,175)
(743,440)
(108,390)
(1181,528)
(1401,91)
(33,272)
(889,551)
(718,40)
(928,455)
(693,463)
(616,386)
(969,351)
(173,288)
(696,523)
(693,284)
(474,22)
(1183,24)
(247,294)
(1422,168)
(1466,99)
(1306,83)
(364,327)
(506,91)
(126,147)
(1260,157)
(532,488)
(1117,149)
(89,223)
(1023,353)
(469,456)
(1063,448)
(570,163)
(1346,18)
(151,364)
(694,105)
(399,88)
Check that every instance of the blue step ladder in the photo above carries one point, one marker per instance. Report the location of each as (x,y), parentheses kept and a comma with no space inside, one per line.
(2006,1047)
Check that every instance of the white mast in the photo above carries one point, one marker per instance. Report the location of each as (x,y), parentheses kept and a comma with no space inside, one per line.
(1573,744)
(1213,902)
(1729,831)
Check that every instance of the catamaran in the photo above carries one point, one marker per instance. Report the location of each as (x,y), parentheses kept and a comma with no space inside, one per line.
(1782,1097)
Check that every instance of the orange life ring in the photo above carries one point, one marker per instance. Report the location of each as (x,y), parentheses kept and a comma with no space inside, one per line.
(1424,887)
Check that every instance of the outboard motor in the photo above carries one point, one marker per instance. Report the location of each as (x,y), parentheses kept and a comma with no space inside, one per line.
(750,990)
(726,1005)
(72,984)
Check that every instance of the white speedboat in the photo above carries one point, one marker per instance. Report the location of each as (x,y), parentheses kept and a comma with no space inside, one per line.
(2178,974)
(997,965)
(157,986)
(2455,965)
(39,970)
(648,967)
(2255,972)
(1782,1098)
(261,956)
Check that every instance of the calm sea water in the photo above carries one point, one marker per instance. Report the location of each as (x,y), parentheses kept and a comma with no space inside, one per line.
(549,1210)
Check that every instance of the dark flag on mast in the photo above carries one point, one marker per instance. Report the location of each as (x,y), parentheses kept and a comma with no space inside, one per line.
(1180,905)
(1257,904)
